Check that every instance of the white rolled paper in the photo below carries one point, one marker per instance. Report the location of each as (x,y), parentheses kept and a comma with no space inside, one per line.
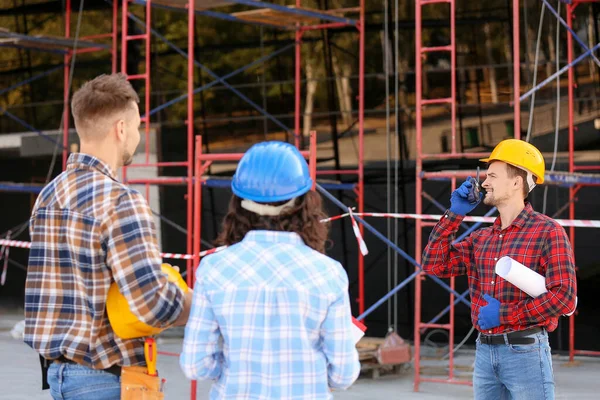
(523,277)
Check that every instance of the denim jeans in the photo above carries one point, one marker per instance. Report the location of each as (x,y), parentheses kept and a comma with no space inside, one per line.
(76,382)
(519,372)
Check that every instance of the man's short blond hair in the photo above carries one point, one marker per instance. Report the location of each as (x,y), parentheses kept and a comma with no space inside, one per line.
(101,97)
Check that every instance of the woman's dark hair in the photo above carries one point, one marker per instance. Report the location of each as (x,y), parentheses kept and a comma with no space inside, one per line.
(304,218)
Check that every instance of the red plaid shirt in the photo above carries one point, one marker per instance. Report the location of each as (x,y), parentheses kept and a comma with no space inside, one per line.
(534,240)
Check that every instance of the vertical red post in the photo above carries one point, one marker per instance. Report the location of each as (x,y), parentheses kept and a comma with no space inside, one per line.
(298,82)
(516,71)
(66,74)
(194,198)
(147,59)
(572,190)
(124,31)
(361,150)
(312,161)
(453,74)
(418,186)
(115,35)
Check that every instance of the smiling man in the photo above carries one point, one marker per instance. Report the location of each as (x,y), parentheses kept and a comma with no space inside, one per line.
(513,357)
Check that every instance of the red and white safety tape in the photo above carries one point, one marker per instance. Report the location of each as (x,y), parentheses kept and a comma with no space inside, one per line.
(580,223)
(26,245)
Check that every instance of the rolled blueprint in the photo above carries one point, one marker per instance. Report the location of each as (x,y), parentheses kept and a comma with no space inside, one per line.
(358,329)
(523,277)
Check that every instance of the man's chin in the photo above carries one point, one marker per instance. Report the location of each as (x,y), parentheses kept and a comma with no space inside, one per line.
(488,201)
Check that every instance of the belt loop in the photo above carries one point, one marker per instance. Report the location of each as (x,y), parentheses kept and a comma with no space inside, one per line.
(61,369)
(505,336)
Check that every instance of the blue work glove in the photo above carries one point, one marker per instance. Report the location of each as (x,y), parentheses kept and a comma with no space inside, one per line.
(489,316)
(458,200)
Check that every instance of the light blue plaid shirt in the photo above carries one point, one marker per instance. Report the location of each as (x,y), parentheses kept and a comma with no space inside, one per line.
(270,319)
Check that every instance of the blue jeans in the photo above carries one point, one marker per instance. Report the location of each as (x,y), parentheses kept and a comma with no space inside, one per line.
(519,372)
(75,382)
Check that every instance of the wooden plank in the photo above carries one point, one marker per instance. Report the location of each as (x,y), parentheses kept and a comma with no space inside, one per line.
(48,42)
(198,4)
(282,18)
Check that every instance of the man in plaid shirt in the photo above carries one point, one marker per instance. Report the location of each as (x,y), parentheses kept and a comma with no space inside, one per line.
(513,355)
(88,231)
(271,314)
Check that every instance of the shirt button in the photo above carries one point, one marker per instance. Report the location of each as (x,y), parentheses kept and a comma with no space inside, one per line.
(490,331)
(492,282)
(495,258)
(500,235)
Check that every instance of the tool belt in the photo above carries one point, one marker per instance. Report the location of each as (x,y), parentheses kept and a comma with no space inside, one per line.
(136,384)
(519,337)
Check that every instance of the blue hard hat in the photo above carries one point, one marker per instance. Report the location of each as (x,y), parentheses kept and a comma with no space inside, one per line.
(270,172)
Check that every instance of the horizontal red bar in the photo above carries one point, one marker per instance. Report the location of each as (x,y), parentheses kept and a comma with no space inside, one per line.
(161,164)
(425,2)
(230,156)
(336,172)
(138,76)
(158,181)
(454,174)
(435,48)
(587,352)
(99,36)
(446,100)
(136,37)
(453,155)
(436,326)
(88,50)
(168,353)
(428,223)
(452,381)
(586,167)
(324,26)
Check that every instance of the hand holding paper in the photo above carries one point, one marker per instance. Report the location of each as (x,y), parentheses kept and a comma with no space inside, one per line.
(524,278)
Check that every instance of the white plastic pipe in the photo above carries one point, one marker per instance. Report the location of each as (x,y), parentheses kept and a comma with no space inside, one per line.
(524,278)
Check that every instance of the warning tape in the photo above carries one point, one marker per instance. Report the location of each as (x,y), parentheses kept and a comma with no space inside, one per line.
(580,223)
(26,245)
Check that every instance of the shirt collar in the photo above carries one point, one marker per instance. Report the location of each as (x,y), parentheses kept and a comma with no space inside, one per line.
(273,237)
(81,160)
(519,222)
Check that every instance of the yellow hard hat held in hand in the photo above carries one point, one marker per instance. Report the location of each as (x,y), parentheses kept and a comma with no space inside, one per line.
(125,324)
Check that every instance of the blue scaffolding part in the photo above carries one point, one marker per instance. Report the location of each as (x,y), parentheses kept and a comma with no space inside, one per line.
(216,77)
(33,78)
(559,72)
(571,179)
(398,250)
(573,34)
(20,187)
(31,128)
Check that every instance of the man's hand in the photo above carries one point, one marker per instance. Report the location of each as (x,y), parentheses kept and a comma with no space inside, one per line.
(459,203)
(489,316)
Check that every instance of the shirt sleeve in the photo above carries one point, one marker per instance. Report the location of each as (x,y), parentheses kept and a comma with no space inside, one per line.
(202,353)
(338,343)
(441,257)
(133,255)
(561,284)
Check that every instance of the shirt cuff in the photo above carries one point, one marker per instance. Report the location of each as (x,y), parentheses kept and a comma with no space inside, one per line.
(508,314)
(450,221)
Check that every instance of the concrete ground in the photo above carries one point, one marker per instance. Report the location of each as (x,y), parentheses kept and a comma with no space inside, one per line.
(20,375)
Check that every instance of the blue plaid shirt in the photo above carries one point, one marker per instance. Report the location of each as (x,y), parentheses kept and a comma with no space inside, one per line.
(270,319)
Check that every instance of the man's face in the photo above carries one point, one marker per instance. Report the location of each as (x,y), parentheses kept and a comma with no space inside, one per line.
(132,134)
(498,185)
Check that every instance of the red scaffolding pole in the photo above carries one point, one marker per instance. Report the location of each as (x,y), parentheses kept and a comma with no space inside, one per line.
(421,102)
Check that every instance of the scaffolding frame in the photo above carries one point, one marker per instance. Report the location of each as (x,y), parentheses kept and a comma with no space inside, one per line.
(574,179)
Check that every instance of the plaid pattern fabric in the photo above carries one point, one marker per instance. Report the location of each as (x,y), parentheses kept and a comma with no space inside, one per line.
(88,230)
(534,240)
(270,319)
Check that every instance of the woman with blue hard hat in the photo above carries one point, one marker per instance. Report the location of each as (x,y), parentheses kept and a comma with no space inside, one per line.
(271,314)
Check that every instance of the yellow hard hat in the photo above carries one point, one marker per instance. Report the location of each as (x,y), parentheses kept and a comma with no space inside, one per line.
(520,154)
(125,324)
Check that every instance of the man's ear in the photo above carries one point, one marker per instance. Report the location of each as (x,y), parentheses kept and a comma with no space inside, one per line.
(120,130)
